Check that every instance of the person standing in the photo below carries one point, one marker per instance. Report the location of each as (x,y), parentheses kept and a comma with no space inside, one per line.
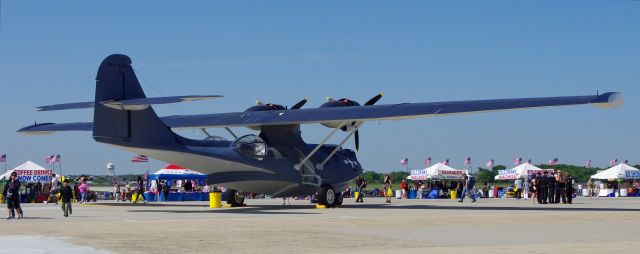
(518,186)
(568,183)
(387,188)
(403,187)
(165,190)
(140,190)
(544,188)
(66,194)
(53,194)
(84,191)
(552,188)
(116,192)
(469,184)
(360,182)
(12,193)
(560,188)
(526,187)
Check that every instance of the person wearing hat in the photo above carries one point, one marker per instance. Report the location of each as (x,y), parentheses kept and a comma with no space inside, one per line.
(568,185)
(12,192)
(538,185)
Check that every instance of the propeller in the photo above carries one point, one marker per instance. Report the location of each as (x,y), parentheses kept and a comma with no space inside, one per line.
(374,99)
(300,104)
(368,103)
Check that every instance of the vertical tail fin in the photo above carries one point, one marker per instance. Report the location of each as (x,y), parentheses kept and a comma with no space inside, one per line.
(117,81)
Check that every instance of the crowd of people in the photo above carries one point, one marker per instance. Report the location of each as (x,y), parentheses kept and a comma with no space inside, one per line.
(550,188)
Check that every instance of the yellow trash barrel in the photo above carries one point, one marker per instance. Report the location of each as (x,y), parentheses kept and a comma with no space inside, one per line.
(454,194)
(134,197)
(215,199)
(356,194)
(1,198)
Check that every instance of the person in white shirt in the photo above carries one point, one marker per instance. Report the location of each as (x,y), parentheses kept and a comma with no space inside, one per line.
(525,188)
(54,189)
(518,185)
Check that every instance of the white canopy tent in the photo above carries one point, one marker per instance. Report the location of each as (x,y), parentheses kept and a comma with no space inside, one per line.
(620,171)
(523,170)
(437,171)
(30,172)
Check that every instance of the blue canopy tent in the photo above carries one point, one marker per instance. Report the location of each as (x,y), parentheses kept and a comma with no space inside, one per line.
(173,172)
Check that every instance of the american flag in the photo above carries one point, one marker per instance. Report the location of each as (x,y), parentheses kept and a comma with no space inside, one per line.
(427,161)
(530,161)
(553,162)
(49,159)
(613,162)
(3,158)
(588,164)
(404,161)
(140,158)
(55,159)
(467,161)
(490,163)
(626,162)
(517,161)
(446,162)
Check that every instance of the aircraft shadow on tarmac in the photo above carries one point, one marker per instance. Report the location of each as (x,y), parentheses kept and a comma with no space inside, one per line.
(290,209)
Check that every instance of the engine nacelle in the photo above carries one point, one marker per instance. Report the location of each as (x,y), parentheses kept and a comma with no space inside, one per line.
(264,107)
(344,102)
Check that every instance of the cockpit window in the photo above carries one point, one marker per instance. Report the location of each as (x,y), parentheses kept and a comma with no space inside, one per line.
(252,146)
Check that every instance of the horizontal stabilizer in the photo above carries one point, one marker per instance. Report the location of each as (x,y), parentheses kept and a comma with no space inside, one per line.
(133,104)
(49,128)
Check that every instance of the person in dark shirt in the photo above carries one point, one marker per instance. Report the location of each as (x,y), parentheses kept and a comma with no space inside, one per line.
(165,190)
(12,193)
(360,185)
(568,185)
(66,195)
(551,189)
(140,190)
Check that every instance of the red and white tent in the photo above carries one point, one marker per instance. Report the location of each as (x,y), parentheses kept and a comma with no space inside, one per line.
(30,172)
(172,172)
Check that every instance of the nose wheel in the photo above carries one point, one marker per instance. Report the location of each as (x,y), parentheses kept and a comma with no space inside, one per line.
(235,198)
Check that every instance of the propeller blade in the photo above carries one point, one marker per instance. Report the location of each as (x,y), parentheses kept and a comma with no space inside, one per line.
(300,104)
(357,139)
(374,99)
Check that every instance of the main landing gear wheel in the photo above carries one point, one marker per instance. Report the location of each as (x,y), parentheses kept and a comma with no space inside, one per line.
(235,198)
(339,199)
(327,196)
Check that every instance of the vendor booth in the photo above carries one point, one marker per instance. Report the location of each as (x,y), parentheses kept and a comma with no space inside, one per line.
(620,173)
(175,177)
(30,172)
(438,171)
(524,170)
(33,177)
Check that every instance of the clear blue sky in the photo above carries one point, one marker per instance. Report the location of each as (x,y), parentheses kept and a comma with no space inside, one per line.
(282,51)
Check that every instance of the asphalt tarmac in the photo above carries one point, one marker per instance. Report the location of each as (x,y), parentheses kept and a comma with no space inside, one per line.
(605,225)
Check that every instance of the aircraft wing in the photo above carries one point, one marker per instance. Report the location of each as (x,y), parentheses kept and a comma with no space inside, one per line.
(379,112)
(351,114)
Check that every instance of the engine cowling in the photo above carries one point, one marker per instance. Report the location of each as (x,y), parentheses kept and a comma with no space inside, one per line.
(344,102)
(264,107)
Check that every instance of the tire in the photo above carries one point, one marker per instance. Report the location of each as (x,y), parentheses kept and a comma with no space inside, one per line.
(326,196)
(235,198)
(339,199)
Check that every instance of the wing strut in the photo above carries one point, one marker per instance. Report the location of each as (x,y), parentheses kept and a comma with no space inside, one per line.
(324,141)
(355,130)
